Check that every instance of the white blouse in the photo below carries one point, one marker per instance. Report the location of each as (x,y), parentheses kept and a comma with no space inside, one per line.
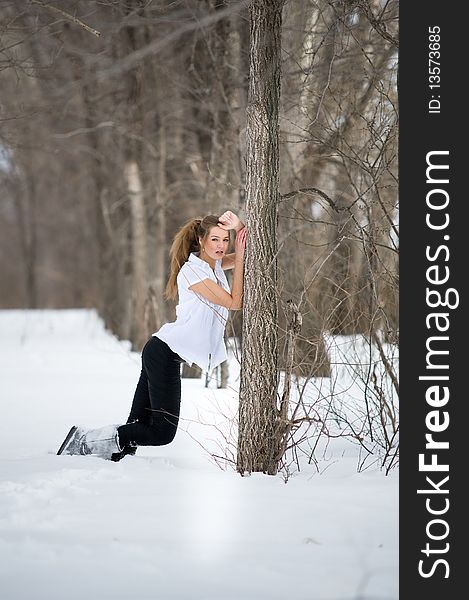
(197,333)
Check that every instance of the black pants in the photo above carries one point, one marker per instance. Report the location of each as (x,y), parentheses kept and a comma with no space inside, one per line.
(154,415)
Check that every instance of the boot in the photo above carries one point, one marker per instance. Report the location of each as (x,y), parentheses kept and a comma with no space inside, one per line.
(71,443)
(126,450)
(102,442)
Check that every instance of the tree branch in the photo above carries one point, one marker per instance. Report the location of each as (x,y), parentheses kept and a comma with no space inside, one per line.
(67,16)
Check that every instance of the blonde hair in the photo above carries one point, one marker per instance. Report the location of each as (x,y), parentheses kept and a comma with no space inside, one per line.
(186,241)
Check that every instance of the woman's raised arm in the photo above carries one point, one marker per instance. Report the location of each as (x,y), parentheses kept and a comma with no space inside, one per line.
(229,220)
(213,292)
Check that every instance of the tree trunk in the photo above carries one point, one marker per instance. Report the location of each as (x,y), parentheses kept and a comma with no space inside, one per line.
(258,413)
(26,216)
(224,375)
(193,372)
(139,253)
(155,307)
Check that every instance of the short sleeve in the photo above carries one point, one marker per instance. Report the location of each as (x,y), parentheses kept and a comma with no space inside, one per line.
(190,274)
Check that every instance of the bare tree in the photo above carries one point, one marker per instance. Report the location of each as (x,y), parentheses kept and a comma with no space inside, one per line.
(257,445)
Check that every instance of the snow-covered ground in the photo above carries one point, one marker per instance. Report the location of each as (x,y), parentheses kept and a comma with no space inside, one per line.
(168,523)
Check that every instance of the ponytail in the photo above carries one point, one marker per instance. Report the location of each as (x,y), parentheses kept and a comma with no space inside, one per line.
(186,241)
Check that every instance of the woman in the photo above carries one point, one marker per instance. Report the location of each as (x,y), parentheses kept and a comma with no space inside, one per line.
(198,260)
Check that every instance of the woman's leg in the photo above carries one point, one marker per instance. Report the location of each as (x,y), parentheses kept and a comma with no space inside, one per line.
(140,410)
(156,405)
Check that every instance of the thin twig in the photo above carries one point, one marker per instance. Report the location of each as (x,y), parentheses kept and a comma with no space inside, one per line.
(67,16)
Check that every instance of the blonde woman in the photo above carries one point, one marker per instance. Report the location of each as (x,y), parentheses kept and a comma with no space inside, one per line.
(198,261)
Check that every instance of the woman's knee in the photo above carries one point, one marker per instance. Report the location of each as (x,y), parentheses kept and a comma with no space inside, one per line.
(163,431)
(166,436)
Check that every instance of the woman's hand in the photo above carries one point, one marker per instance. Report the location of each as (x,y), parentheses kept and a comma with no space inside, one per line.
(240,243)
(228,220)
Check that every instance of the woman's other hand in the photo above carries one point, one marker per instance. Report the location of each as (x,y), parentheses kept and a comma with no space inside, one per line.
(229,220)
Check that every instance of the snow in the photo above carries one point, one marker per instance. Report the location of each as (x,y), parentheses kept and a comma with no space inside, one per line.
(168,523)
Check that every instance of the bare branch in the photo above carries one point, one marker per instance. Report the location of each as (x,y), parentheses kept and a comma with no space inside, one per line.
(69,17)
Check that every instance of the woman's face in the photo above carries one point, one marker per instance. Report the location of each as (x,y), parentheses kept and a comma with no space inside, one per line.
(216,243)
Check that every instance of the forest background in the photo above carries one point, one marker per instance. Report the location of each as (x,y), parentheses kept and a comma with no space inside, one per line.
(121,119)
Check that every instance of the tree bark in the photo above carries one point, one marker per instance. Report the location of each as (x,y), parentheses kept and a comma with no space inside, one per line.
(155,308)
(27,219)
(139,252)
(258,413)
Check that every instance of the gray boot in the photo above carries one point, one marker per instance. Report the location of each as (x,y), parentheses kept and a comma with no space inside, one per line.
(102,442)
